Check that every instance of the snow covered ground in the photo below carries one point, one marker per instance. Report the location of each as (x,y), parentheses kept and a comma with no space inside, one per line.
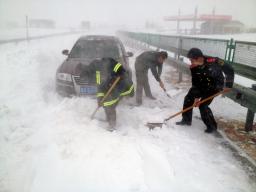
(14,33)
(48,143)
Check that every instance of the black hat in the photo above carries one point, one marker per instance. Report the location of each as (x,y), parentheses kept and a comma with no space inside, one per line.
(119,70)
(194,53)
(164,54)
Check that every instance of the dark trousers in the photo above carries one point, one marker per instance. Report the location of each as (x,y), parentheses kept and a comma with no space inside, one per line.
(205,111)
(110,112)
(142,83)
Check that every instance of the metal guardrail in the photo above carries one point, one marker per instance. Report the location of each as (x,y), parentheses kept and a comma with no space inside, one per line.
(245,53)
(244,59)
(242,55)
(209,46)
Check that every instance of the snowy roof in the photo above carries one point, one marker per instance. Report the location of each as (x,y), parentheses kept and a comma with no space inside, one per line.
(98,37)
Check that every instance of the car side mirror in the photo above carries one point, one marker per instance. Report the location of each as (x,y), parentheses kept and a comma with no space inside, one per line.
(129,54)
(65,52)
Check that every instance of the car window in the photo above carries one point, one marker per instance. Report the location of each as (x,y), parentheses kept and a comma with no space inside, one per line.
(96,49)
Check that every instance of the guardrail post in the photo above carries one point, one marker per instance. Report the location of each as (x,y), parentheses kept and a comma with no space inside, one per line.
(230,51)
(180,70)
(27,26)
(250,116)
(179,58)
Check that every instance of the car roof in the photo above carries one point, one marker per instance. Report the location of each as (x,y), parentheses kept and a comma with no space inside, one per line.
(98,37)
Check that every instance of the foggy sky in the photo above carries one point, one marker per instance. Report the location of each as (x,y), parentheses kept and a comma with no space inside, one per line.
(129,12)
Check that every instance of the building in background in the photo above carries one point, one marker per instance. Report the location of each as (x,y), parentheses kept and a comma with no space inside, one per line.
(85,25)
(210,23)
(41,23)
(222,27)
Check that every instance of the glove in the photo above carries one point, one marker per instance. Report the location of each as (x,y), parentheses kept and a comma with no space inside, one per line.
(226,89)
(197,102)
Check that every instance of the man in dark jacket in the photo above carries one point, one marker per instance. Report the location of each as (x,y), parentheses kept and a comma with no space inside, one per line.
(106,71)
(207,79)
(152,60)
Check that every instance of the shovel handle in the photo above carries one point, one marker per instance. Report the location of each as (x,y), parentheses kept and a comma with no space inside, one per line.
(166,93)
(192,106)
(106,95)
(110,89)
(95,111)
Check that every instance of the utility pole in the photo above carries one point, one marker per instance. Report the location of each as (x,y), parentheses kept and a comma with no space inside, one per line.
(211,21)
(178,22)
(27,25)
(194,21)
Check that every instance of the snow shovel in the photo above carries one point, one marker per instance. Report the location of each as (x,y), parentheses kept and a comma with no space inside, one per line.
(105,96)
(166,93)
(153,125)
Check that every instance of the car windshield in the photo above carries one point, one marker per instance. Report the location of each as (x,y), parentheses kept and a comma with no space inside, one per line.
(95,49)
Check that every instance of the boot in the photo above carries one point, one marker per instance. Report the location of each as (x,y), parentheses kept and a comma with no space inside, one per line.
(151,97)
(112,125)
(210,129)
(138,102)
(183,122)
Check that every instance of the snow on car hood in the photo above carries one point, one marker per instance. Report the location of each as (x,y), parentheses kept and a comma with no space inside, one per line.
(74,65)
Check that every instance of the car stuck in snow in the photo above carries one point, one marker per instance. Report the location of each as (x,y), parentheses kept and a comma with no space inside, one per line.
(85,50)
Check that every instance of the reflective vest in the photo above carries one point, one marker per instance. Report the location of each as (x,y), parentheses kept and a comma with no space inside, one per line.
(123,88)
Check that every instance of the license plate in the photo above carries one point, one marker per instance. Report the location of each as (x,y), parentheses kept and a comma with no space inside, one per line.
(88,90)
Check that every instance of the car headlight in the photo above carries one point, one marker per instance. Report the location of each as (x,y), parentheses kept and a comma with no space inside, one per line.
(64,77)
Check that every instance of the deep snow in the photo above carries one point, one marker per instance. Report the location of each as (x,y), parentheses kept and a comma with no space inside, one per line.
(48,143)
(14,33)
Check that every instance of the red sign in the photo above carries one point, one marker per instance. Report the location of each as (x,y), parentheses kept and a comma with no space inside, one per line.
(215,17)
(200,18)
(182,17)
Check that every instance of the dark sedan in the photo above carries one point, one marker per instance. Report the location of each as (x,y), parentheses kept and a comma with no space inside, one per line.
(85,50)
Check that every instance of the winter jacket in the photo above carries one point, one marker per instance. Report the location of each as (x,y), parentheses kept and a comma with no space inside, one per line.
(209,76)
(106,70)
(149,60)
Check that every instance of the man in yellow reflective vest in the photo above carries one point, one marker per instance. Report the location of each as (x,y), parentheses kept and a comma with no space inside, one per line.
(106,72)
